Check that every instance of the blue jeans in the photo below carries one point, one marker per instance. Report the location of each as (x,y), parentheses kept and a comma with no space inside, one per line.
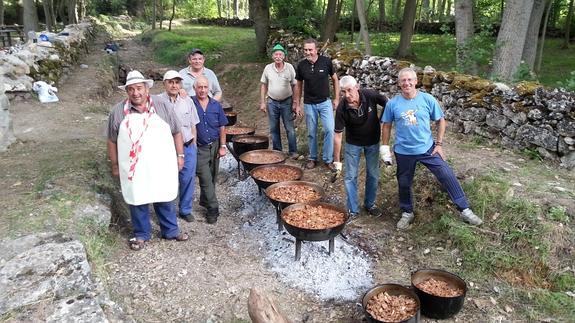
(166,212)
(277,109)
(438,167)
(187,178)
(351,159)
(324,111)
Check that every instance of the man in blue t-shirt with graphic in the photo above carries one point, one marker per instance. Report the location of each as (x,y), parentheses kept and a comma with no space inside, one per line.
(412,112)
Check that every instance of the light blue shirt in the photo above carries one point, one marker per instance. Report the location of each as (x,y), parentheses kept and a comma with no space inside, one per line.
(412,118)
(188,81)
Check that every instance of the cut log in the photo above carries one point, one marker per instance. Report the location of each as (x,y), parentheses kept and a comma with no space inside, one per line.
(262,308)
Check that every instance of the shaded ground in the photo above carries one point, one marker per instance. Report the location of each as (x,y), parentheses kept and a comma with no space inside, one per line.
(53,168)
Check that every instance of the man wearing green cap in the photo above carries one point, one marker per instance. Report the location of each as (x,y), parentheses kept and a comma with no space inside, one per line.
(277,83)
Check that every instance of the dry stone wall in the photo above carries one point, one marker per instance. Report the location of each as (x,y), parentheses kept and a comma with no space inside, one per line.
(46,60)
(527,116)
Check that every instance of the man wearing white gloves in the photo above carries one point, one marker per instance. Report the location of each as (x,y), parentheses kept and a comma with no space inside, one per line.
(412,112)
(357,114)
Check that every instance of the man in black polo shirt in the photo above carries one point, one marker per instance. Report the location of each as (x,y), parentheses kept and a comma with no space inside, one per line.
(314,72)
(357,114)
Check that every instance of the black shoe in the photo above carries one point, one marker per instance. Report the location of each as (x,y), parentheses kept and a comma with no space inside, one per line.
(211,219)
(187,217)
(373,211)
(203,204)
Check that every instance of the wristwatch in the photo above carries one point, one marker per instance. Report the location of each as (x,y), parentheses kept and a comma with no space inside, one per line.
(181,155)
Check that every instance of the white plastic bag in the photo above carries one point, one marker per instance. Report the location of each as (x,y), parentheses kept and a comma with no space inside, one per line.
(46,92)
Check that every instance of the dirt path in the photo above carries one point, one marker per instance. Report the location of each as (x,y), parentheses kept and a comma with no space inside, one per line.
(208,278)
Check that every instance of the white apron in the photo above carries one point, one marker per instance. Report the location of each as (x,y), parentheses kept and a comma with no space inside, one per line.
(155,166)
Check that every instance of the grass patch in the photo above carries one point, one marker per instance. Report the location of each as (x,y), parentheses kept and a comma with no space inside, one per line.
(98,241)
(558,213)
(556,304)
(220,44)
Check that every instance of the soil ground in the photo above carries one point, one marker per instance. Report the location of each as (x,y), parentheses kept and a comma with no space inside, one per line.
(50,171)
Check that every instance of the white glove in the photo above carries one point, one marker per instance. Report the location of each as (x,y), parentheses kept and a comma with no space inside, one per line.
(385,154)
(338,166)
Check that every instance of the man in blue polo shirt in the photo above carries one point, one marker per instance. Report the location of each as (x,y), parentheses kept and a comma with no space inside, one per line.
(412,112)
(315,71)
(211,133)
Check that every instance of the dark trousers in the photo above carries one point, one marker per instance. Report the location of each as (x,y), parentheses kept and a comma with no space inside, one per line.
(438,167)
(207,171)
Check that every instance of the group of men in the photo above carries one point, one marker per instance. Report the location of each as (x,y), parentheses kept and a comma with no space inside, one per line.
(158,144)
(356,113)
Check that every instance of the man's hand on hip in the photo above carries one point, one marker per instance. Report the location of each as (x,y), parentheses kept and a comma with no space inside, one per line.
(438,150)
(385,155)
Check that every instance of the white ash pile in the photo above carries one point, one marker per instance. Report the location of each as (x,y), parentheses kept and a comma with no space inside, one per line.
(342,276)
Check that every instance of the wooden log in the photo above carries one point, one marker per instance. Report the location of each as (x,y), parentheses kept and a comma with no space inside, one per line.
(262,308)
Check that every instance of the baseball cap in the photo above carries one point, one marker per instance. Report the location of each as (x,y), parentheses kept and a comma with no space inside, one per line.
(195,51)
(171,74)
(280,48)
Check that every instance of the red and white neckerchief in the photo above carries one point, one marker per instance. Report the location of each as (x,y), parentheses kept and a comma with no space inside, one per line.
(136,148)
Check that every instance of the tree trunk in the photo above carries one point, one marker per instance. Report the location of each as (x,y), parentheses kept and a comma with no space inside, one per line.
(432,10)
(441,9)
(219,4)
(261,16)
(29,16)
(236,8)
(173,15)
(463,33)
(363,30)
(161,13)
(153,14)
(72,13)
(511,38)
(135,8)
(330,21)
(530,48)
(381,16)
(1,12)
(353,14)
(61,10)
(262,309)
(448,8)
(404,48)
(81,5)
(568,20)
(541,43)
(49,22)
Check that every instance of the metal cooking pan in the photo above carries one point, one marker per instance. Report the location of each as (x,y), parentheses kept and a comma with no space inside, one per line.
(253,154)
(262,184)
(313,234)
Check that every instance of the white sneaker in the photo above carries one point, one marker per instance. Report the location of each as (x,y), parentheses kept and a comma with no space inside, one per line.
(406,219)
(468,216)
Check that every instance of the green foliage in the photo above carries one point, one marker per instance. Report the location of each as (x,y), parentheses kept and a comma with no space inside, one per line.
(563,282)
(524,73)
(557,304)
(478,51)
(199,8)
(107,7)
(558,213)
(304,25)
(569,83)
(532,154)
(300,16)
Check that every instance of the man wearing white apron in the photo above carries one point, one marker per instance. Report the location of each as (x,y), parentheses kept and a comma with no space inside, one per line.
(146,151)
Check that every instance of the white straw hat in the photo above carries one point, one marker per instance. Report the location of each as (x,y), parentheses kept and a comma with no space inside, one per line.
(136,77)
(171,74)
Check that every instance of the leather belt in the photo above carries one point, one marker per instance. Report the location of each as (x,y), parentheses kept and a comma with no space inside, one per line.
(187,144)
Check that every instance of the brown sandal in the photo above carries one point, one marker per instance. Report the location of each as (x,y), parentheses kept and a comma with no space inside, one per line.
(136,244)
(181,237)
